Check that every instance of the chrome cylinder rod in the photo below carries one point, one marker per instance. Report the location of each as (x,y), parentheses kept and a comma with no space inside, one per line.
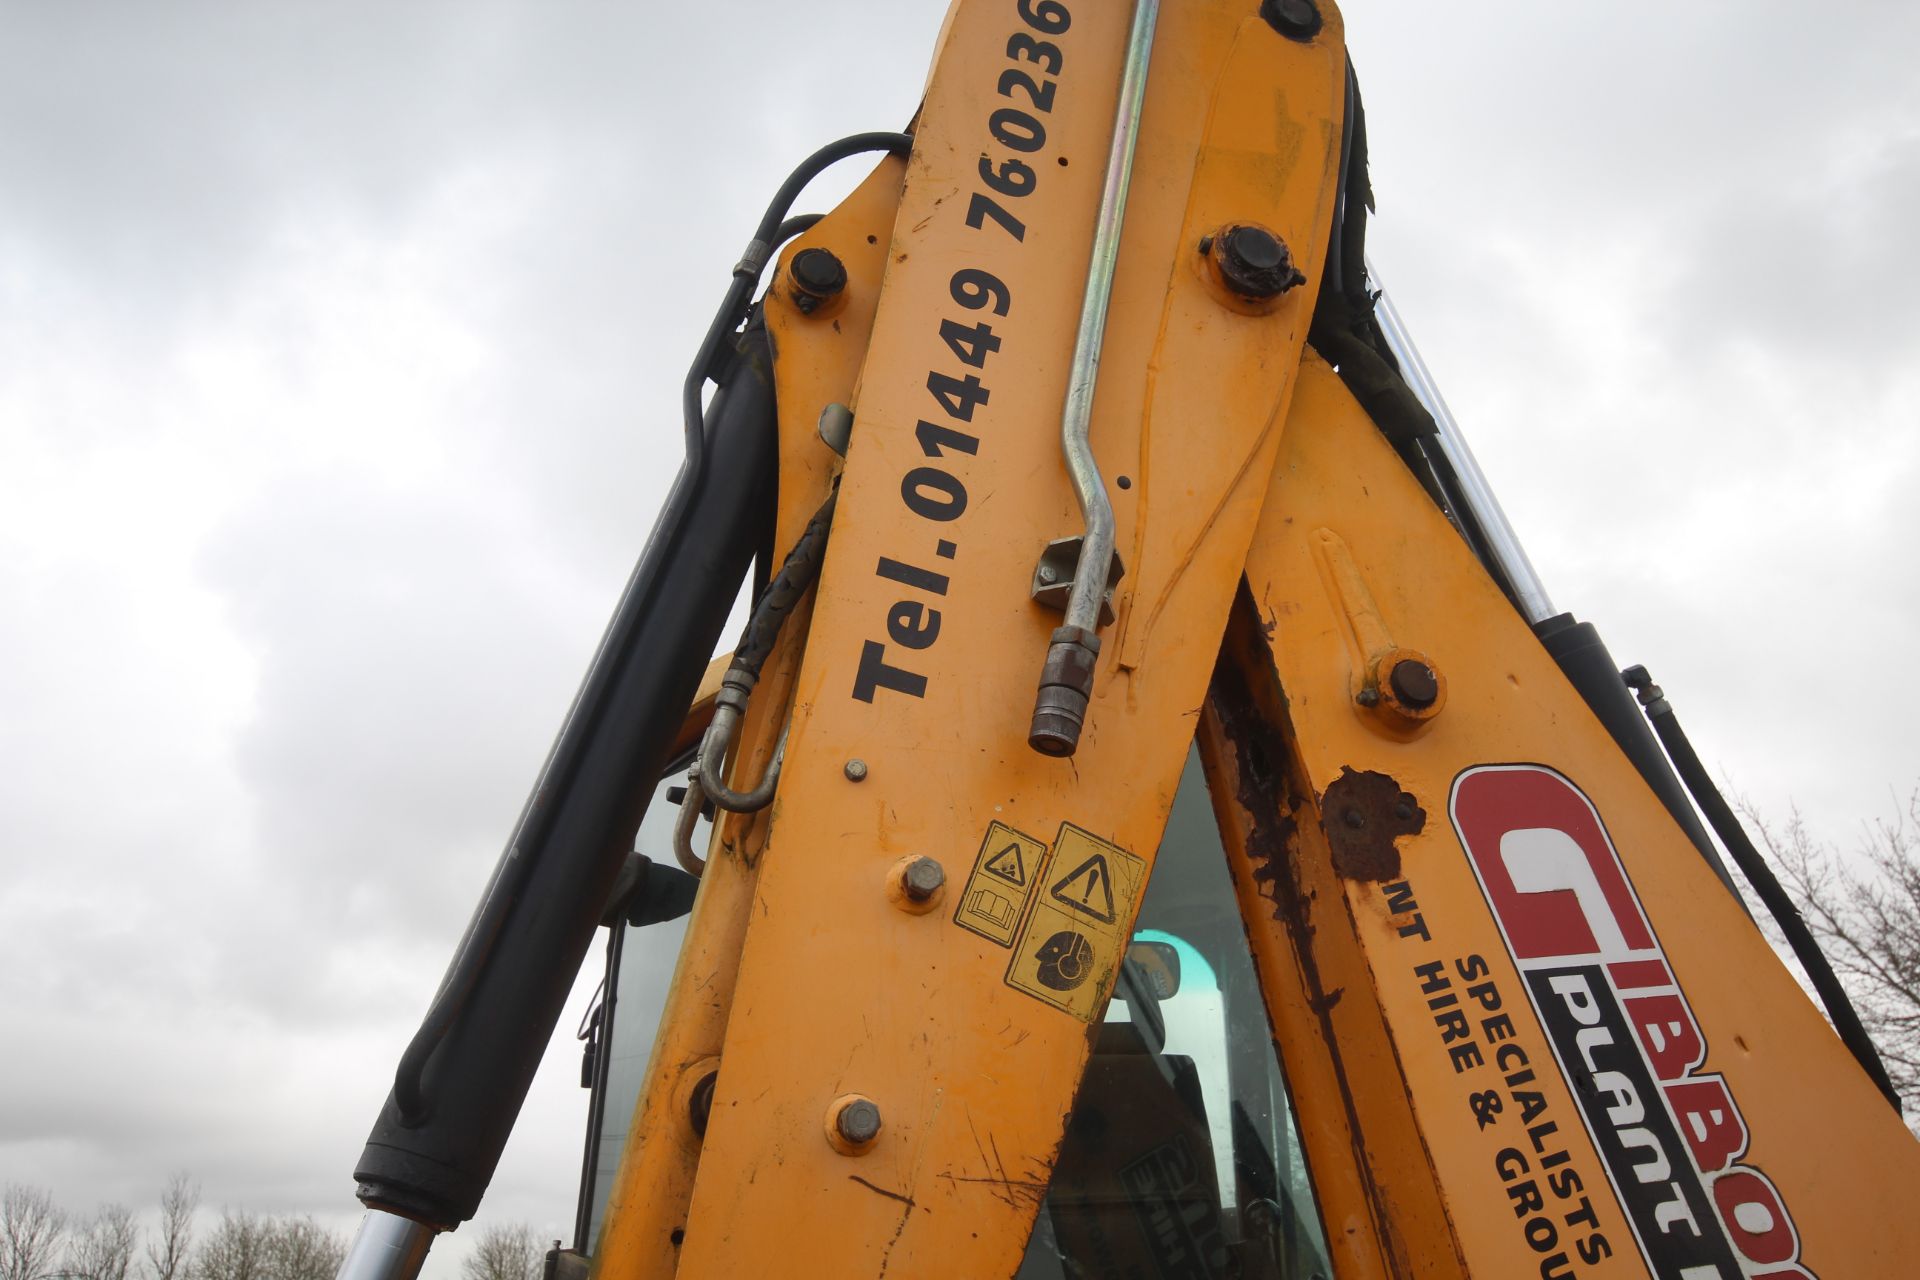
(387,1247)
(1477,495)
(1066,681)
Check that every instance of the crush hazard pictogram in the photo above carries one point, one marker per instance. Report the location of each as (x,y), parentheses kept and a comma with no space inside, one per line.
(1009,865)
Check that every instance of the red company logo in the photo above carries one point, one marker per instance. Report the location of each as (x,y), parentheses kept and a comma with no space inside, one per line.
(1670,1136)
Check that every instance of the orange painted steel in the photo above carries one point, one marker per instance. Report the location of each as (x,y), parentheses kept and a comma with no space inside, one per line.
(1280,562)
(1414,1082)
(838,990)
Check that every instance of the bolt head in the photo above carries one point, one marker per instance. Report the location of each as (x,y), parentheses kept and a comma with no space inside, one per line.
(700,1102)
(1254,249)
(1294,19)
(1255,263)
(1354,818)
(858,1122)
(1048,574)
(818,272)
(923,878)
(856,770)
(1414,683)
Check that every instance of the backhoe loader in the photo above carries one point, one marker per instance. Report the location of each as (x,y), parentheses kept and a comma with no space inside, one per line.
(1154,822)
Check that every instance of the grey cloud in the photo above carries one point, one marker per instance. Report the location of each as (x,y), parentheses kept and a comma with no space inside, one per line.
(271,713)
(1809,261)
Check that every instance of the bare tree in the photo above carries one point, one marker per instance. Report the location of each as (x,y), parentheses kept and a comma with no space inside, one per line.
(246,1246)
(301,1249)
(505,1252)
(1865,911)
(170,1247)
(103,1248)
(236,1249)
(31,1230)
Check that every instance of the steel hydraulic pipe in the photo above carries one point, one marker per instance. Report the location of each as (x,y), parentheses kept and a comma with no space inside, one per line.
(1476,493)
(1066,682)
(1575,646)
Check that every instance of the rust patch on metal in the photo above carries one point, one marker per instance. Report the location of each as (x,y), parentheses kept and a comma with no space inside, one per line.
(1364,813)
(1265,791)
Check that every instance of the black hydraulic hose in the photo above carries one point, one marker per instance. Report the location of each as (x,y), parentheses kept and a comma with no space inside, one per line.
(597,1098)
(1345,334)
(1846,1021)
(770,611)
(1350,203)
(798,224)
(746,272)
(797,573)
(504,889)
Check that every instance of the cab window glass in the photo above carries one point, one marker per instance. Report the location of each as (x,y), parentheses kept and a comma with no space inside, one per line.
(1182,1156)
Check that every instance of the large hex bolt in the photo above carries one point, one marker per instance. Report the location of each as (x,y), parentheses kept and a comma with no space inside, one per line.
(914,884)
(818,278)
(1253,262)
(853,1124)
(923,879)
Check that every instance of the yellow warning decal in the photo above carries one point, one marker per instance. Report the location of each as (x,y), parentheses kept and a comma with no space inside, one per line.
(1069,950)
(1006,871)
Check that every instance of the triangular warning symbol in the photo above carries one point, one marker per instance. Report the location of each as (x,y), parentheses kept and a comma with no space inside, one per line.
(1009,865)
(1088,889)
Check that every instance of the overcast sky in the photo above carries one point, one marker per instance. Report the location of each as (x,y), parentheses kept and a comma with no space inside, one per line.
(339,357)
